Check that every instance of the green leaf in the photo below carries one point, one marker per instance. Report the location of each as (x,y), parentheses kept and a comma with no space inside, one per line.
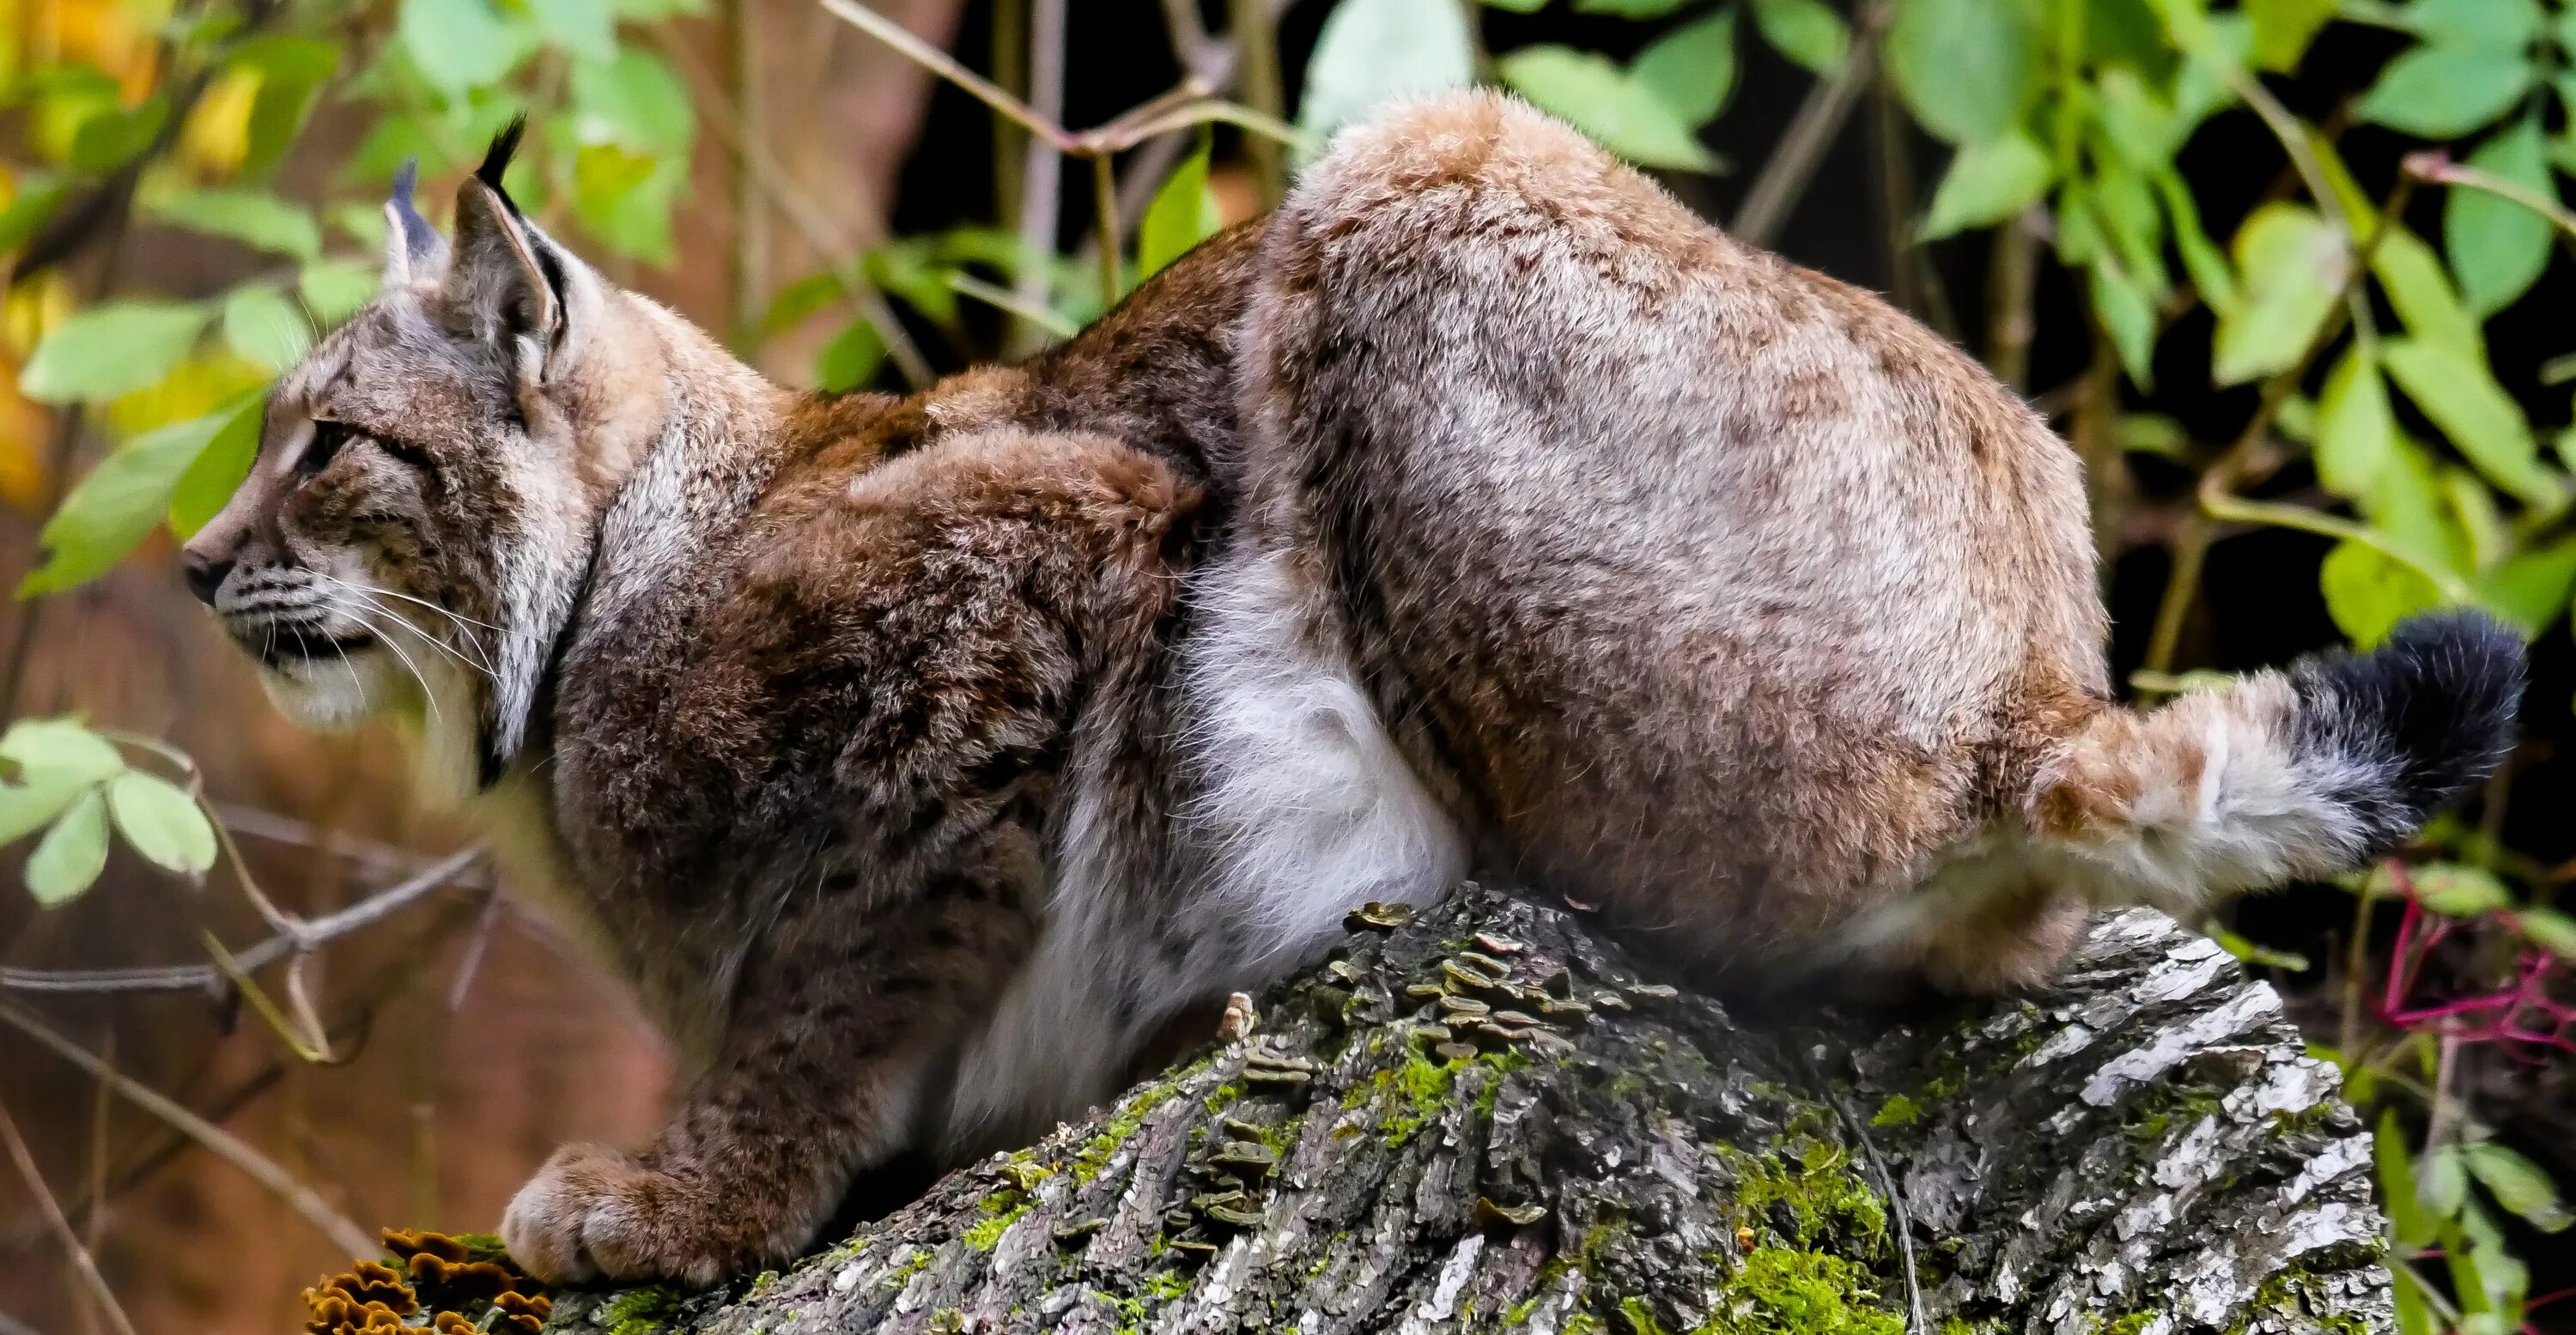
(264,327)
(112,137)
(1987,183)
(2293,265)
(161,822)
(1182,214)
(2367,594)
(60,749)
(1372,51)
(2507,25)
(111,349)
(2444,92)
(2531,589)
(585,29)
(625,199)
(2459,891)
(2519,1185)
(2128,315)
(646,11)
(2421,291)
(120,502)
(799,301)
(2550,930)
(2498,247)
(37,200)
(2442,1182)
(2356,427)
(2283,29)
(252,217)
(69,858)
(219,469)
(292,72)
(1599,98)
(461,45)
(850,359)
(2201,257)
(31,806)
(636,101)
(1518,6)
(1692,68)
(2136,123)
(2483,421)
(2396,1173)
(1968,68)
(1808,32)
(333,290)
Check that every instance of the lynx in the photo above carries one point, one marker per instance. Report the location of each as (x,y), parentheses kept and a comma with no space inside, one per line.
(918,760)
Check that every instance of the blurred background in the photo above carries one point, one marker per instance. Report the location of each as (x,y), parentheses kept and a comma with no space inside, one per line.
(2291,276)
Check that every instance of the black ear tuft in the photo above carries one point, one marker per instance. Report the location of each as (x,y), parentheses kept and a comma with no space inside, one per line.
(496,159)
(419,238)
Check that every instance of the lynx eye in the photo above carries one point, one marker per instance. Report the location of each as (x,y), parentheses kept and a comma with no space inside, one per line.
(328,440)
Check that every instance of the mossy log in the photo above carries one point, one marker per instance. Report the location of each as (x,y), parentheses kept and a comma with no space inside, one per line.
(1488,1119)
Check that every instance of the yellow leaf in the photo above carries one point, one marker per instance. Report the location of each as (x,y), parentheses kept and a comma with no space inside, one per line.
(32,309)
(217,135)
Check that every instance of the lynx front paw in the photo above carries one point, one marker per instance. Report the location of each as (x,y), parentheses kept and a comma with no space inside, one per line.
(594,1213)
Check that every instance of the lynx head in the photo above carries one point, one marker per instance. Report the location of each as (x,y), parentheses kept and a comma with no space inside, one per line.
(413,535)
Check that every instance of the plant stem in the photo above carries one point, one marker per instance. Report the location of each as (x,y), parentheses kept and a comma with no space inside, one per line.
(72,1247)
(2012,281)
(1042,170)
(1802,146)
(259,1167)
(1104,207)
(1256,59)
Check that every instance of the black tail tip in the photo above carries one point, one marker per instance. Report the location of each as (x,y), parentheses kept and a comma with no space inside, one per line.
(2415,722)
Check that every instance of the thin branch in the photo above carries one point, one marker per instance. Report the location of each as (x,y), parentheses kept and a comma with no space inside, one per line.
(207,977)
(1802,146)
(748,258)
(966,284)
(62,1227)
(2012,283)
(226,1146)
(1104,207)
(1044,125)
(10,1325)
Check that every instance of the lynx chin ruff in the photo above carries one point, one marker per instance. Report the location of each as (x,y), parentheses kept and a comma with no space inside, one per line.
(918,760)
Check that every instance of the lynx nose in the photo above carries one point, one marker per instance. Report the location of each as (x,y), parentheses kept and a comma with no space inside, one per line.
(206,575)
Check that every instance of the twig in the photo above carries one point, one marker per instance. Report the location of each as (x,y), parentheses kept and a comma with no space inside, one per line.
(10,1325)
(62,1227)
(484,924)
(1802,146)
(1042,165)
(230,1148)
(207,977)
(1042,124)
(1916,1323)
(1104,208)
(2436,166)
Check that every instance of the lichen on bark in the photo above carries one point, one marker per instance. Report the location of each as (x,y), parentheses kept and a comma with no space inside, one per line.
(1489,1119)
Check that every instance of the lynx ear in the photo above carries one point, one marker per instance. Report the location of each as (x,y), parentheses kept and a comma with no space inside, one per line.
(413,249)
(509,285)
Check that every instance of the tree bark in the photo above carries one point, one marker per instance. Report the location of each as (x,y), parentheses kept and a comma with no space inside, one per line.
(1487,1119)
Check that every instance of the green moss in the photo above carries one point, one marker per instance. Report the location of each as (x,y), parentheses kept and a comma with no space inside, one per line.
(1823,1195)
(1785,1291)
(1897,1111)
(2131,1324)
(1001,1210)
(1641,1318)
(643,1311)
(1097,1151)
